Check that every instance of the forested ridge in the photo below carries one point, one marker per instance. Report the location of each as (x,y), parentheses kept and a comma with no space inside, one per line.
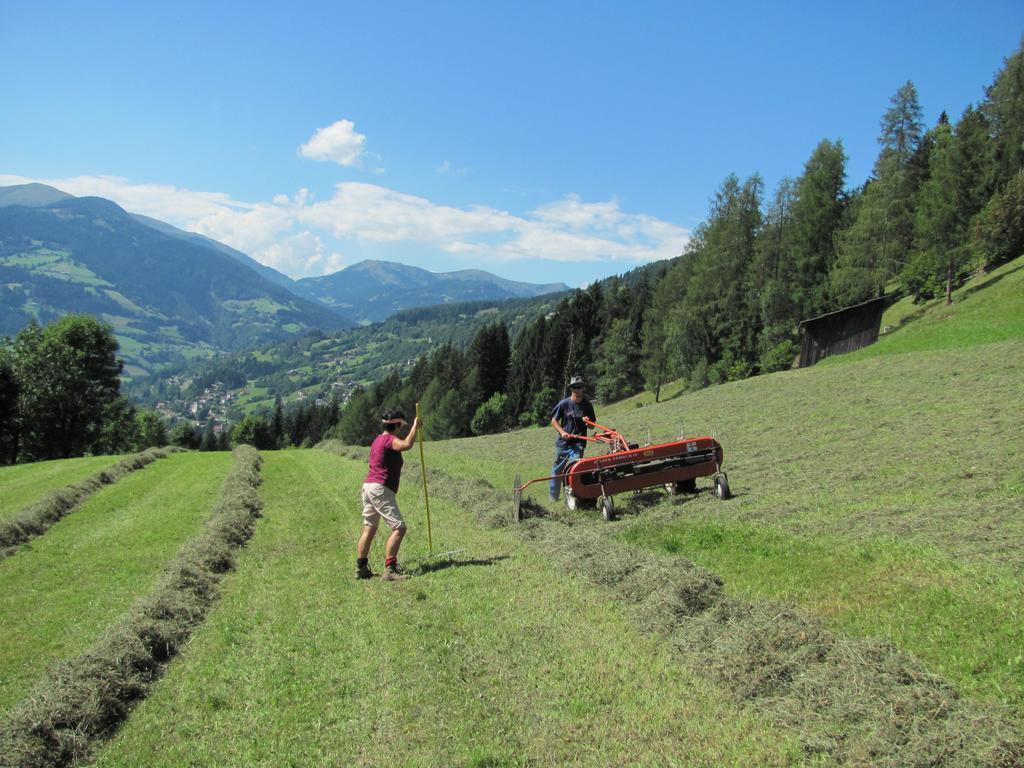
(941,203)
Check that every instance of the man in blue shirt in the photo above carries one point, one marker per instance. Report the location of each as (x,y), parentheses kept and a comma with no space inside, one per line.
(567,419)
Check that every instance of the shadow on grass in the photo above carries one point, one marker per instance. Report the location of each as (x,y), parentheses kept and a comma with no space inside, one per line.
(529,508)
(441,565)
(989,282)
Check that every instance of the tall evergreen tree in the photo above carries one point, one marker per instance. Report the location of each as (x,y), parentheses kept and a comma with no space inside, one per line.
(618,362)
(875,248)
(717,318)
(488,356)
(974,150)
(772,277)
(815,217)
(1004,109)
(9,420)
(277,423)
(940,250)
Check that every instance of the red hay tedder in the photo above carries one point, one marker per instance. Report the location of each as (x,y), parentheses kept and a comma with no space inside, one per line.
(630,467)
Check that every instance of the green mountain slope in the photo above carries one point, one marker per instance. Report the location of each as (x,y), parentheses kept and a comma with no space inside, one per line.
(318,364)
(166,297)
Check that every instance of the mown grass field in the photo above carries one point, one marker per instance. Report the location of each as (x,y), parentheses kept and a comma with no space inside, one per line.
(881,493)
(61,592)
(487,661)
(902,523)
(23,484)
(859,601)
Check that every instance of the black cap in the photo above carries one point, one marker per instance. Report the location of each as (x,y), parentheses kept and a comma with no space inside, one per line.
(393,416)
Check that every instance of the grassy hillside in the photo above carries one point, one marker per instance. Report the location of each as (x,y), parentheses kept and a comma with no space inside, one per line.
(881,491)
(986,309)
(858,602)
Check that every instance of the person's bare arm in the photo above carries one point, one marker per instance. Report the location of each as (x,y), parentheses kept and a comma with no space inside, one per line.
(405,443)
(558,428)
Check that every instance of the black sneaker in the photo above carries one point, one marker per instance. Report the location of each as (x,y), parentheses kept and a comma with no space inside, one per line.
(364,572)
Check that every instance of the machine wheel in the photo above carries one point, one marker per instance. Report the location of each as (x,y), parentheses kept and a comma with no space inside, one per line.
(517,500)
(607,508)
(722,486)
(571,502)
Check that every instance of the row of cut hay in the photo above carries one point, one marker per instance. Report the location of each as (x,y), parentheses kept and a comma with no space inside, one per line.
(852,701)
(35,519)
(87,698)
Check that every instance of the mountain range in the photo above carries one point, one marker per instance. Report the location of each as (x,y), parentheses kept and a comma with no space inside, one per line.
(374,290)
(172,295)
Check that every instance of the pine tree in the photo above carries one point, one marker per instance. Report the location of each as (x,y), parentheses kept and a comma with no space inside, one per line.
(875,248)
(815,217)
(940,231)
(277,423)
(1004,109)
(618,363)
(772,274)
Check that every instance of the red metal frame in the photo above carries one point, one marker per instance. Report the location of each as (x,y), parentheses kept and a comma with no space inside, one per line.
(626,468)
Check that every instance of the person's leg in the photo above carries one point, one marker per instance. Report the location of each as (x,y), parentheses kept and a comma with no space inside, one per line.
(370,521)
(386,504)
(555,486)
(363,550)
(394,542)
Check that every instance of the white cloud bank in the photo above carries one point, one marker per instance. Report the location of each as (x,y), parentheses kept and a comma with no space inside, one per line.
(338,143)
(294,234)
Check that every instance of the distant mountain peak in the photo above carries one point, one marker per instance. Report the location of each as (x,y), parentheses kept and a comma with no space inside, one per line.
(372,290)
(33,195)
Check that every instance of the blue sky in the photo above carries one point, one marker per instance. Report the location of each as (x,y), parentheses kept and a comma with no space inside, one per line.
(543,141)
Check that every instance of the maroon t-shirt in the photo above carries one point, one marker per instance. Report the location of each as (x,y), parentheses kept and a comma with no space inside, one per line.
(385,462)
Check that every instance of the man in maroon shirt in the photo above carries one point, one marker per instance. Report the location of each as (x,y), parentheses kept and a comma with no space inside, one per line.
(379,495)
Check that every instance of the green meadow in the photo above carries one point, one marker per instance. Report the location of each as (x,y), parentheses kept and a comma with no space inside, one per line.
(24,484)
(59,593)
(859,601)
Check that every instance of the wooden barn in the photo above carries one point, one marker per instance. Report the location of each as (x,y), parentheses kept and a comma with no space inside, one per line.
(842,331)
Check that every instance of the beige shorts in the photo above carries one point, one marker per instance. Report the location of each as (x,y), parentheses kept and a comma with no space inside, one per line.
(380,501)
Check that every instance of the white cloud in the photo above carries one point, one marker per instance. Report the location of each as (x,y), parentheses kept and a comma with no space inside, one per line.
(296,234)
(301,255)
(338,143)
(575,214)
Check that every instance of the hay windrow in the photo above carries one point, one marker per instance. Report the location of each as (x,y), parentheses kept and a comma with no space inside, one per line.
(851,701)
(87,698)
(37,518)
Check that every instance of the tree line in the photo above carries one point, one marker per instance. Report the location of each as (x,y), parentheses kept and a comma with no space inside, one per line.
(60,395)
(300,426)
(941,202)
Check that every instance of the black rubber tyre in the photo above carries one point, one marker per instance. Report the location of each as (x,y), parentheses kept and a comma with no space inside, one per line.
(722,487)
(607,508)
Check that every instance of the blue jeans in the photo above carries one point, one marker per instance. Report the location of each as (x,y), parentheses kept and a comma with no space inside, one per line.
(564,458)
